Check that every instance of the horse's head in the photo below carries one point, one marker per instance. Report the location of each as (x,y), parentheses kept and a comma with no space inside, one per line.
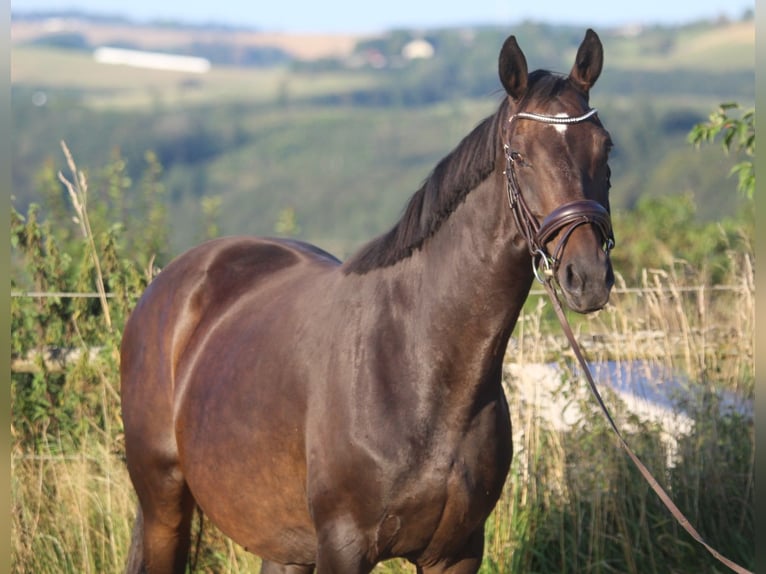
(558,177)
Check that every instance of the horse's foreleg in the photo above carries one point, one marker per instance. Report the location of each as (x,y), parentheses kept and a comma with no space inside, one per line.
(273,568)
(467,561)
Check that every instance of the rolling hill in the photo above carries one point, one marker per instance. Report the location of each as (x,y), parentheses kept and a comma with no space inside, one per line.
(342,130)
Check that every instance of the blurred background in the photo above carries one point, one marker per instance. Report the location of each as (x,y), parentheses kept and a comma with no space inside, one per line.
(321,122)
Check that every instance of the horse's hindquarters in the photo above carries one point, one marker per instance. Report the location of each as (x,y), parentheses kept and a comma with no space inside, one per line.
(201,423)
(242,449)
(162,532)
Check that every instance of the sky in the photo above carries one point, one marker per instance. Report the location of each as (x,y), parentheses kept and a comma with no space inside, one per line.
(360,16)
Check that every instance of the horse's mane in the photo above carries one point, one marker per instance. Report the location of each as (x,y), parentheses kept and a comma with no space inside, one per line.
(463,169)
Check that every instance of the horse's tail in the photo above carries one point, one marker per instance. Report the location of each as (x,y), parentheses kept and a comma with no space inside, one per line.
(135,564)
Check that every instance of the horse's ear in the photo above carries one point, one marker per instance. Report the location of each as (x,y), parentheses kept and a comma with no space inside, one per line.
(588,63)
(512,66)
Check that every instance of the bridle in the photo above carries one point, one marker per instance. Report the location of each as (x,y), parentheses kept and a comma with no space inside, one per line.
(566,217)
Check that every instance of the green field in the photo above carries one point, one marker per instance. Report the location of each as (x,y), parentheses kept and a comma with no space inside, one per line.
(698,48)
(358,142)
(705,48)
(121,87)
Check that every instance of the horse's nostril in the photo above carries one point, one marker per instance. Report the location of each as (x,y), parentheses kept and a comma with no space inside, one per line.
(574,282)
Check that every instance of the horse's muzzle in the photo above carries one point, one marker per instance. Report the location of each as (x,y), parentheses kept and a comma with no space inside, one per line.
(585,281)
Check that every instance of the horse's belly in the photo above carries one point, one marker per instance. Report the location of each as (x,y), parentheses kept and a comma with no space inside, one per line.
(242,451)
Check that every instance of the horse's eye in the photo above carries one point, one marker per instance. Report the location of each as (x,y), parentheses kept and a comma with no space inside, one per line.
(517,158)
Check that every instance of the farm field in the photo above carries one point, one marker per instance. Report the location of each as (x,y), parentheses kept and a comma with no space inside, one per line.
(107,87)
(317,139)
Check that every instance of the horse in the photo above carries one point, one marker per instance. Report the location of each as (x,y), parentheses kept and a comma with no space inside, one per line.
(328,415)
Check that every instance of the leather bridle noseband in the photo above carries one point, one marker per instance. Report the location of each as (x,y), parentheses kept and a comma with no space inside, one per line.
(566,217)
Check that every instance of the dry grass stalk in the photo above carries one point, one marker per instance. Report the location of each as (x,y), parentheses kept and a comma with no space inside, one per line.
(78,193)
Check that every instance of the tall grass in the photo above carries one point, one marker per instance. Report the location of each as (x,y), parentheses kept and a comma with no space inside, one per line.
(573,503)
(71,513)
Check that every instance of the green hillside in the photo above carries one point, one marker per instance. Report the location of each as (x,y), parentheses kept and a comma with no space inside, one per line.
(343,144)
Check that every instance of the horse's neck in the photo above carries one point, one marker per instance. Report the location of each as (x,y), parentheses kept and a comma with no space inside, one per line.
(478,276)
(461,293)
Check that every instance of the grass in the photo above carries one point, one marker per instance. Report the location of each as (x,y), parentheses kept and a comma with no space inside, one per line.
(71,513)
(572,502)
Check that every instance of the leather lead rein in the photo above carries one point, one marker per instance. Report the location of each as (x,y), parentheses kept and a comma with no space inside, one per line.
(666,500)
(569,216)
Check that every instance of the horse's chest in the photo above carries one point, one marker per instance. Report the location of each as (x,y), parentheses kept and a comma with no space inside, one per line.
(450,495)
(417,490)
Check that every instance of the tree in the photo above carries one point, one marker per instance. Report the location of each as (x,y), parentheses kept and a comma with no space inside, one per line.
(738,134)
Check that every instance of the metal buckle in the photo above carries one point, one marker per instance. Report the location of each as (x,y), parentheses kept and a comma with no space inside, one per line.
(541,259)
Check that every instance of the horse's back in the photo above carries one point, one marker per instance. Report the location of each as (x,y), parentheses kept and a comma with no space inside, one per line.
(199,286)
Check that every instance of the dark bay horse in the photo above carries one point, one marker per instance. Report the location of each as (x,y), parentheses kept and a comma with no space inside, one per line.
(326,415)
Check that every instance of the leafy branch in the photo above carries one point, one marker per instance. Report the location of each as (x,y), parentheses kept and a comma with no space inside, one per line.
(737,134)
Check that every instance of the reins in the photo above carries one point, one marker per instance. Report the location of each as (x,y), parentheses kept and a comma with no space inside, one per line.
(568,217)
(666,500)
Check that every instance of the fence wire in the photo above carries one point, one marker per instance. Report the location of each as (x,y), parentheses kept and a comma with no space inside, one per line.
(532,293)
